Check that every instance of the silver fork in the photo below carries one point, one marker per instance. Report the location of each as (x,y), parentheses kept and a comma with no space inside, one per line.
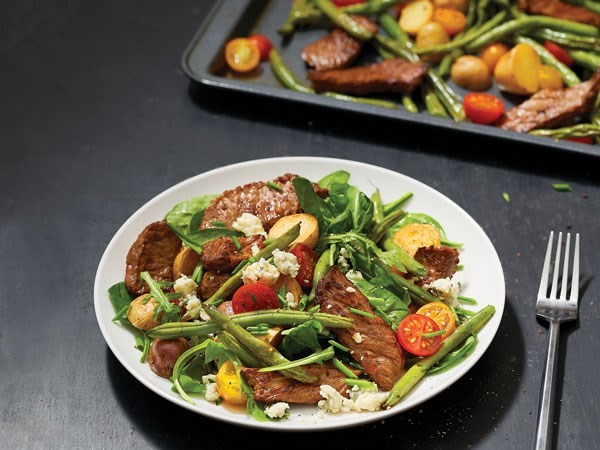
(555,310)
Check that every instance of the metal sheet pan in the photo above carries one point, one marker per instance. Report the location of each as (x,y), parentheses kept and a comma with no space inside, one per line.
(203,62)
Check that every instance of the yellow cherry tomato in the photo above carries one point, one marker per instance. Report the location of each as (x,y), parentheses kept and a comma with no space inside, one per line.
(441,314)
(492,53)
(242,55)
(229,385)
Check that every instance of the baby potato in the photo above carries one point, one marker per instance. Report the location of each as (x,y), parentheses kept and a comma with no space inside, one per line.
(141,313)
(413,236)
(415,15)
(164,353)
(185,262)
(309,229)
(471,72)
(431,34)
(291,285)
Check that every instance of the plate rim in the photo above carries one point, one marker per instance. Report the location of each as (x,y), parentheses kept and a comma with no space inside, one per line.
(243,419)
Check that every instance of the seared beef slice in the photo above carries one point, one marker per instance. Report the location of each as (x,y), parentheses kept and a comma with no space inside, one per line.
(337,49)
(372,342)
(154,251)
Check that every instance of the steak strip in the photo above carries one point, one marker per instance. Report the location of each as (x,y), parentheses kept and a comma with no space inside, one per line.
(391,75)
(550,108)
(271,387)
(440,262)
(337,49)
(560,10)
(372,342)
(222,255)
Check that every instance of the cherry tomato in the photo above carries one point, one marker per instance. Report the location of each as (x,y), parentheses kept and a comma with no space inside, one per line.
(229,385)
(307,258)
(341,3)
(582,140)
(559,53)
(410,331)
(441,314)
(252,297)
(451,20)
(242,55)
(264,45)
(481,107)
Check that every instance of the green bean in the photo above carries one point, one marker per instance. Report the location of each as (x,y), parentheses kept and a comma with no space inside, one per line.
(568,76)
(409,105)
(390,25)
(235,280)
(396,48)
(432,103)
(371,7)
(445,64)
(343,20)
(569,40)
(321,268)
(246,358)
(527,22)
(467,38)
(299,8)
(588,60)
(388,208)
(285,75)
(592,5)
(419,370)
(579,130)
(377,206)
(447,96)
(362,100)
(472,13)
(173,330)
(265,353)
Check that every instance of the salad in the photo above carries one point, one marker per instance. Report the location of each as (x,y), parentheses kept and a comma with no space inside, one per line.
(292,291)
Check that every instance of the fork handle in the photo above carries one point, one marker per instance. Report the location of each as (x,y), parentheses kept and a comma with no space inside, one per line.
(543,439)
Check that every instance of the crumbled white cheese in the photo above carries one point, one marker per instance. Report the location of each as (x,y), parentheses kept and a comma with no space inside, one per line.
(191,301)
(249,224)
(277,410)
(343,263)
(211,377)
(357,337)
(211,394)
(185,286)
(354,275)
(350,290)
(254,249)
(291,300)
(262,271)
(286,263)
(445,289)
(359,400)
(344,252)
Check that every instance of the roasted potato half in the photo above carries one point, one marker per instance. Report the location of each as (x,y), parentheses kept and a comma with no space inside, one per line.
(141,313)
(185,262)
(291,285)
(309,228)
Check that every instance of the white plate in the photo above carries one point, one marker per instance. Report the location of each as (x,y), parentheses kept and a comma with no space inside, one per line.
(485,279)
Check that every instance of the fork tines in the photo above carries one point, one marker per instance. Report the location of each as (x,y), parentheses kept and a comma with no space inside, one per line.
(565,273)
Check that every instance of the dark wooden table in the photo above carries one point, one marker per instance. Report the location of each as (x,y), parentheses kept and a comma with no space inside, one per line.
(97,117)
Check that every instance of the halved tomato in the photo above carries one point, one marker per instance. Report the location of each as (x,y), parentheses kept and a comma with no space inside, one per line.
(559,53)
(483,108)
(410,335)
(441,314)
(307,258)
(252,297)
(242,55)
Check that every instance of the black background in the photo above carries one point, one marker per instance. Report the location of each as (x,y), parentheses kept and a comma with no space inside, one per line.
(97,117)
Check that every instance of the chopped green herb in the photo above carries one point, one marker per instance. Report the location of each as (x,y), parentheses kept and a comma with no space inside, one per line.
(562,187)
(363,384)
(469,300)
(314,309)
(342,368)
(216,223)
(506,197)
(433,333)
(237,243)
(338,345)
(239,267)
(360,312)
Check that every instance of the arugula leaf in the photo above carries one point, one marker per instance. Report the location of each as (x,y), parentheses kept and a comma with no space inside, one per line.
(387,305)
(301,339)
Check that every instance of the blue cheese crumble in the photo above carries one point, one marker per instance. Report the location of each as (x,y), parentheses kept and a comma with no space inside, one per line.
(277,410)
(249,224)
(286,263)
(360,399)
(262,271)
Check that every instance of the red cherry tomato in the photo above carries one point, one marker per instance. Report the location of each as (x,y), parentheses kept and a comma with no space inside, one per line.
(341,3)
(481,107)
(252,297)
(559,53)
(307,258)
(410,331)
(264,45)
(582,140)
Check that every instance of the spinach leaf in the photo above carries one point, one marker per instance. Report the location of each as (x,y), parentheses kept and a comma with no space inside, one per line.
(120,299)
(310,202)
(301,339)
(183,214)
(339,176)
(361,208)
(387,305)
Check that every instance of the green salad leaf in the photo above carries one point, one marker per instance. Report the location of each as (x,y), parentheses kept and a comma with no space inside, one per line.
(387,305)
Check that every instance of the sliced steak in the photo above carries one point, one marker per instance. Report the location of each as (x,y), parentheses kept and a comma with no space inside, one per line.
(550,108)
(561,10)
(210,283)
(440,262)
(337,49)
(154,251)
(372,342)
(221,254)
(271,387)
(256,198)
(391,75)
